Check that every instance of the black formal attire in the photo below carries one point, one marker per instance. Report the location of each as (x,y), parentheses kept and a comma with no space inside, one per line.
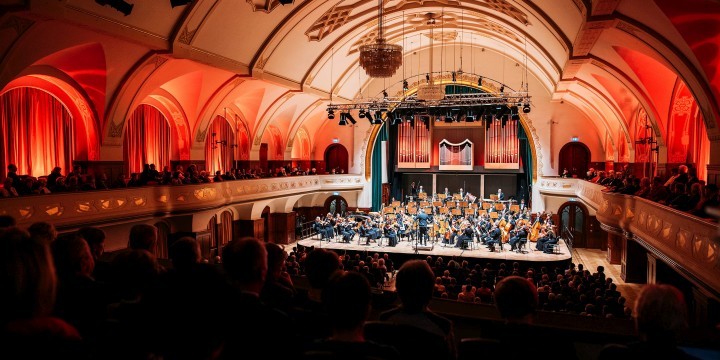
(493,238)
(519,235)
(464,238)
(501,196)
(424,221)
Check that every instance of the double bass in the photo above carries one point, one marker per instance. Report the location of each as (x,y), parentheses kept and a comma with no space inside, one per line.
(505,230)
(535,230)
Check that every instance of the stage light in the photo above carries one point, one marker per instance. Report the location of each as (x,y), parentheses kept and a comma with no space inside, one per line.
(480,81)
(378,118)
(502,88)
(469,117)
(361,114)
(515,117)
(427,77)
(526,108)
(331,114)
(343,119)
(405,85)
(285,2)
(119,5)
(385,94)
(175,3)
(454,76)
(396,120)
(351,118)
(409,118)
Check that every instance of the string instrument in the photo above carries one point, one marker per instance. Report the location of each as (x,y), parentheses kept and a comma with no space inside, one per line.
(505,230)
(535,230)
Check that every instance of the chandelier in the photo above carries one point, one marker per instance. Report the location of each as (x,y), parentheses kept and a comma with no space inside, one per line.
(381,60)
(431,91)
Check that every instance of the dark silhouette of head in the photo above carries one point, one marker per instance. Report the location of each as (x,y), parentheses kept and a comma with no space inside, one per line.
(184,253)
(43,231)
(320,265)
(516,299)
(347,298)
(245,263)
(95,238)
(660,313)
(415,283)
(143,237)
(72,257)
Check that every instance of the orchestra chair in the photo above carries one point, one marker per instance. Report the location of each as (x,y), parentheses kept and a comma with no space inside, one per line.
(521,246)
(362,234)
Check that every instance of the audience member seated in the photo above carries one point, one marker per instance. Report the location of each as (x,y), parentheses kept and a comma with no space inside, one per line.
(415,283)
(143,237)
(43,231)
(28,287)
(347,298)
(278,290)
(250,322)
(660,317)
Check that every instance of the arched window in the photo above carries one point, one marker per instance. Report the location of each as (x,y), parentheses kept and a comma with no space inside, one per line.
(336,205)
(147,139)
(37,132)
(336,158)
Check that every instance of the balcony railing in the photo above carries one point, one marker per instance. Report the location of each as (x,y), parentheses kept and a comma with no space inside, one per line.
(684,241)
(86,207)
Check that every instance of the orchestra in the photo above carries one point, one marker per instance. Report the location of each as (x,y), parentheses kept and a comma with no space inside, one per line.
(456,220)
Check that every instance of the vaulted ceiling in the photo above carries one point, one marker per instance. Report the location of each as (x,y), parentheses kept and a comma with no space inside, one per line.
(277,65)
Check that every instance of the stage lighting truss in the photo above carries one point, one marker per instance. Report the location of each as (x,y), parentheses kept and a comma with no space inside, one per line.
(471,105)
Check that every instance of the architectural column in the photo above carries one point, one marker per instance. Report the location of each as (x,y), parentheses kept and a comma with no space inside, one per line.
(614,248)
(651,268)
(283,228)
(634,261)
(253,228)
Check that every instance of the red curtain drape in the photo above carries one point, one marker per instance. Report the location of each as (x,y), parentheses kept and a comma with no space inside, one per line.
(37,132)
(219,156)
(147,139)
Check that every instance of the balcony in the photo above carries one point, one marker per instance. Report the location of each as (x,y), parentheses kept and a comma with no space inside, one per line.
(66,210)
(687,243)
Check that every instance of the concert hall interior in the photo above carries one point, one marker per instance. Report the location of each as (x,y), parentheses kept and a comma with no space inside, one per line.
(553,164)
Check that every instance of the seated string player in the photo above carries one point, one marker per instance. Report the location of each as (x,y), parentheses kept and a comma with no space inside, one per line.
(390,233)
(493,237)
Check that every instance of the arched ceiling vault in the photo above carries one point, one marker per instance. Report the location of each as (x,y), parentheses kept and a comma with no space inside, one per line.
(262,52)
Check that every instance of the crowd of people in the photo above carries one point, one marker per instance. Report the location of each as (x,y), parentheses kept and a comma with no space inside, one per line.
(681,190)
(20,185)
(65,298)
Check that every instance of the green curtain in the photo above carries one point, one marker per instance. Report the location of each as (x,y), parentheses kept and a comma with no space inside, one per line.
(377,167)
(527,164)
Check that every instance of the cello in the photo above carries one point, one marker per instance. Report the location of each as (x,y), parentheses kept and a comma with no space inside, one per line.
(535,230)
(506,231)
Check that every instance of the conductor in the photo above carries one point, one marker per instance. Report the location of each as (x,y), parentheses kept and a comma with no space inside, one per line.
(424,221)
(500,195)
(413,190)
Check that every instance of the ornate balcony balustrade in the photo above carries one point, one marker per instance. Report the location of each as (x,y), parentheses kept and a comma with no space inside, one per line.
(79,208)
(685,242)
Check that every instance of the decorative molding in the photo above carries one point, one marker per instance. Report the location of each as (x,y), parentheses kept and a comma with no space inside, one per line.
(201,135)
(588,36)
(186,35)
(266,6)
(115,129)
(158,61)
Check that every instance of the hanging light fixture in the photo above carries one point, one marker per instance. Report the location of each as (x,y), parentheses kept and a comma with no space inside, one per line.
(381,60)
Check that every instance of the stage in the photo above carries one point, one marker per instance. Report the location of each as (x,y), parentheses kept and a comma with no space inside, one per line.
(479,252)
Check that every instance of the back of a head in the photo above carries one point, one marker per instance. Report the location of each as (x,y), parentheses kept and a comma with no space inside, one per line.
(347,298)
(72,256)
(245,260)
(415,283)
(185,252)
(134,271)
(276,257)
(143,237)
(43,231)
(515,298)
(95,238)
(7,221)
(320,265)
(661,313)
(28,282)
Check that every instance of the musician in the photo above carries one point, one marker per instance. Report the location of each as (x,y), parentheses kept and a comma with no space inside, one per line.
(420,191)
(413,190)
(500,195)
(519,235)
(447,193)
(320,227)
(462,193)
(347,230)
(424,220)
(546,239)
(465,236)
(390,233)
(493,237)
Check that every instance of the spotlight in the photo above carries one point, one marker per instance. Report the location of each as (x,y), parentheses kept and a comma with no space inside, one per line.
(454,76)
(396,120)
(119,5)
(405,85)
(502,88)
(526,108)
(175,3)
(515,117)
(409,118)
(378,118)
(343,119)
(351,118)
(361,114)
(331,114)
(480,81)
(469,117)
(427,77)
(385,94)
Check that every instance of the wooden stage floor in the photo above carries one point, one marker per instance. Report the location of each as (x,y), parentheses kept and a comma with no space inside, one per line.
(479,252)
